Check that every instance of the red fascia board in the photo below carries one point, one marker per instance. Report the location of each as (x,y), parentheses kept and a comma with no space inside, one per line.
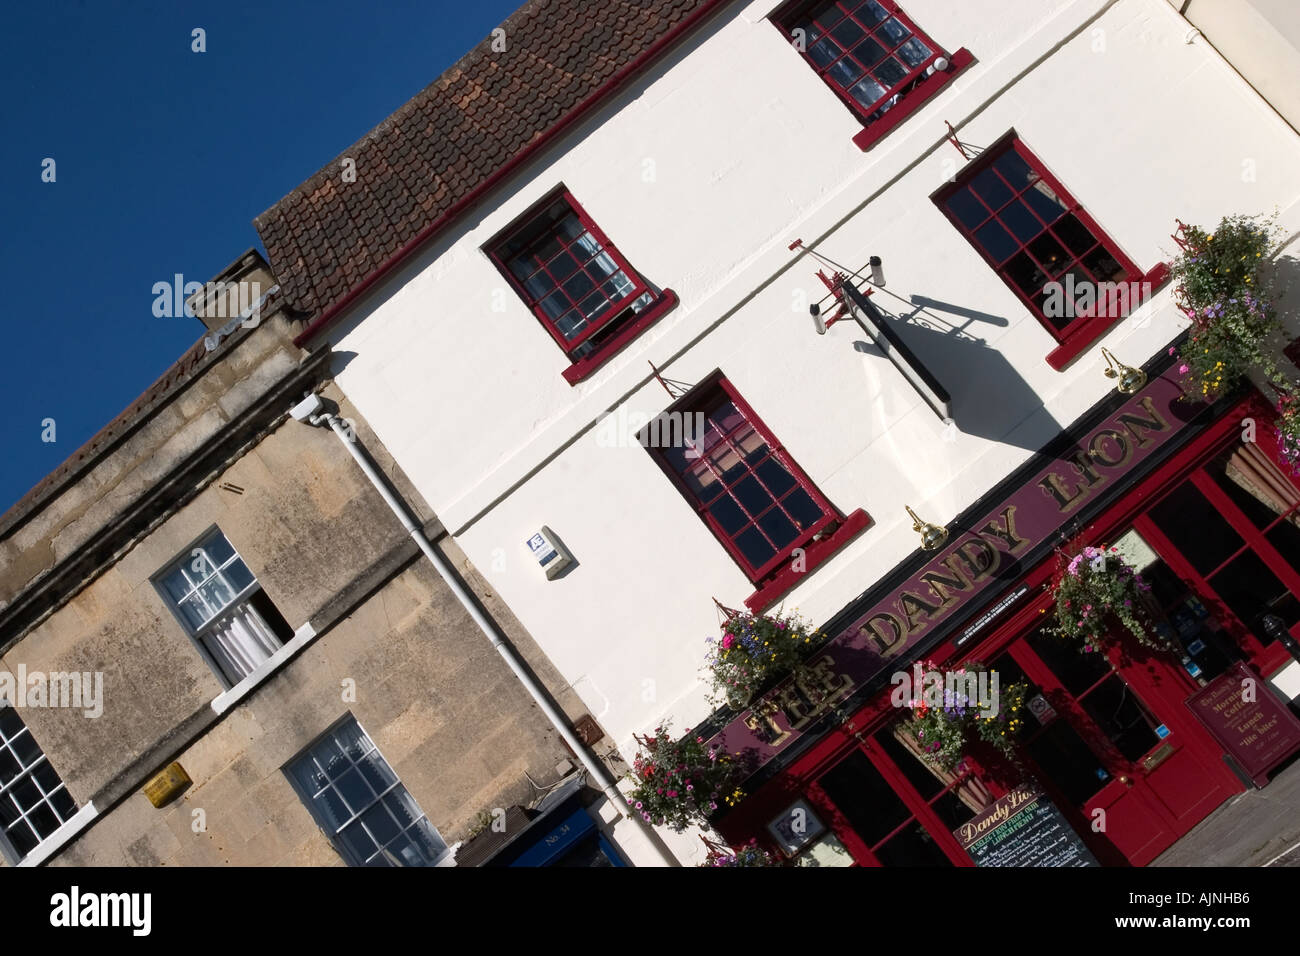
(815,554)
(606,90)
(913,101)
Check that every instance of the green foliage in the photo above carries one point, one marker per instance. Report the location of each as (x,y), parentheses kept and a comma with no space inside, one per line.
(678,783)
(1096,589)
(945,731)
(753,651)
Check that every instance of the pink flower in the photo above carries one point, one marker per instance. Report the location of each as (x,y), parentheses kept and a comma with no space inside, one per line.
(1171,350)
(1183,369)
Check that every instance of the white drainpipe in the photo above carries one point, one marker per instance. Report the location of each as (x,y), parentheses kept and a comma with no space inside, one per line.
(312,411)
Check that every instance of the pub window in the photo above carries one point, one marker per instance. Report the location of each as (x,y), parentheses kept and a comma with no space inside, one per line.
(871,54)
(1042,244)
(742,483)
(581,288)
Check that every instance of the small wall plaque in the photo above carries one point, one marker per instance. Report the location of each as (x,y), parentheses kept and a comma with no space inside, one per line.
(167,785)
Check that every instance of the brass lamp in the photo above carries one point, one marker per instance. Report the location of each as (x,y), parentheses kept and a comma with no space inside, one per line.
(1130,379)
(932,536)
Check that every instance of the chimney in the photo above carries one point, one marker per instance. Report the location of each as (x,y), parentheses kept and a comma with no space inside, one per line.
(234,293)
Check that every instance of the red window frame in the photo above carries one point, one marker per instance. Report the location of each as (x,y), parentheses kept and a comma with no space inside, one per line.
(601,333)
(909,87)
(1060,223)
(820,537)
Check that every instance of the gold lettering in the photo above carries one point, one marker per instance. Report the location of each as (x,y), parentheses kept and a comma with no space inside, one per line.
(940,583)
(912,606)
(985,562)
(1065,499)
(1132,422)
(1098,442)
(877,636)
(1007,531)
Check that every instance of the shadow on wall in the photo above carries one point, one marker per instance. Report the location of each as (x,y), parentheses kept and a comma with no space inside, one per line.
(990,399)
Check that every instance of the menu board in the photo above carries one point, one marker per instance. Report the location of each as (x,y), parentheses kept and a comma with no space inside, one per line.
(1247,720)
(1023,828)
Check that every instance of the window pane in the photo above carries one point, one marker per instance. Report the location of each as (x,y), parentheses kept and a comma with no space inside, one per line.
(754,547)
(728,514)
(990,187)
(1050,253)
(1044,201)
(847,33)
(775,477)
(1022,223)
(968,210)
(1103,265)
(176,585)
(562,266)
(1196,528)
(355,839)
(195,612)
(380,823)
(800,506)
(1120,715)
(356,793)
(1076,236)
(914,52)
(217,593)
(778,527)
(1015,170)
(912,846)
(823,52)
(1024,272)
(1068,761)
(864,797)
(1251,591)
(238,575)
(890,73)
(867,93)
(893,31)
(996,241)
(25,748)
(845,72)
(218,549)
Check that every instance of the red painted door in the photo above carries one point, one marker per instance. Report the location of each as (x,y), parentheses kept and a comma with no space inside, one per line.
(1119,746)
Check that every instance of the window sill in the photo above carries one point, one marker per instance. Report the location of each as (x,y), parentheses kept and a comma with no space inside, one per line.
(584,367)
(1089,330)
(64,835)
(816,553)
(228,699)
(913,101)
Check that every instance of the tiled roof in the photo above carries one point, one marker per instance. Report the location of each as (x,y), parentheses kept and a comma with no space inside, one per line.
(448,141)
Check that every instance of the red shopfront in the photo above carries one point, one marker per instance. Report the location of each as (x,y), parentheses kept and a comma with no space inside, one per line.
(1215,528)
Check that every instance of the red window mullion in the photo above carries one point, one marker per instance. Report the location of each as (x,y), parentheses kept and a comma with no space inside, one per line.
(708,393)
(1079,325)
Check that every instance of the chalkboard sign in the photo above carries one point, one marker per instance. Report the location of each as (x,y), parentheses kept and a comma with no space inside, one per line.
(1024,828)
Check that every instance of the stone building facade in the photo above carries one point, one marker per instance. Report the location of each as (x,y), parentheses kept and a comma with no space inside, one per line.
(204,485)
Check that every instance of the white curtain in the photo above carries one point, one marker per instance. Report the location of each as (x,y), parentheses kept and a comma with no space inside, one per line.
(239,640)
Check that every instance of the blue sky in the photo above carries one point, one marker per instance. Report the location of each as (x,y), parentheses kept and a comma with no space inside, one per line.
(163,156)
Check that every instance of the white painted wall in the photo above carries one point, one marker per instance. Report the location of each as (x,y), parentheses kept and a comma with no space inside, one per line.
(750,151)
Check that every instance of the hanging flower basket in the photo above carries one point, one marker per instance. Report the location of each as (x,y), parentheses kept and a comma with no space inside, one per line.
(1235,333)
(751,854)
(678,783)
(1098,593)
(753,651)
(945,731)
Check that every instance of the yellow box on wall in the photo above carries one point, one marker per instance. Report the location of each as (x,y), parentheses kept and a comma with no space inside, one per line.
(167,785)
